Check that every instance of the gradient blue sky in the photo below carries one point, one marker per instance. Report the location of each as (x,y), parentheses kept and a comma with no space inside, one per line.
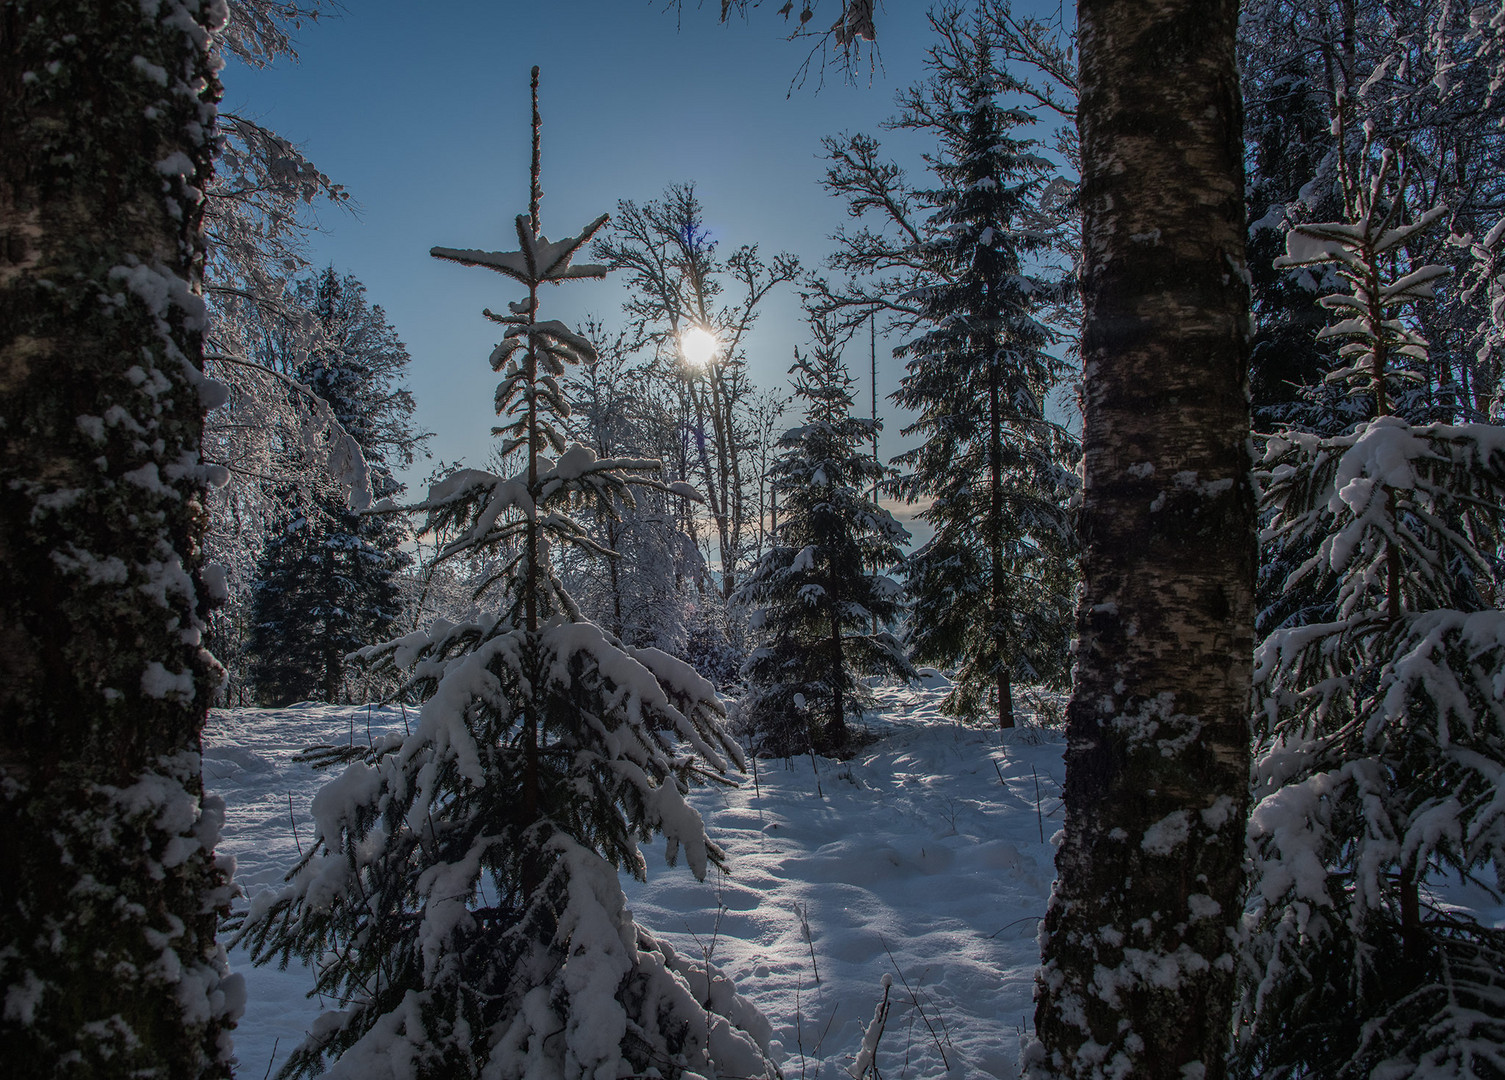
(421,112)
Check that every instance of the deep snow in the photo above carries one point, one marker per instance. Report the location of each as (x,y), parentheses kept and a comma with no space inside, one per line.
(926,857)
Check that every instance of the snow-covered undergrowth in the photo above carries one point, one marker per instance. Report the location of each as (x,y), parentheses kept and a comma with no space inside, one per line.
(922,858)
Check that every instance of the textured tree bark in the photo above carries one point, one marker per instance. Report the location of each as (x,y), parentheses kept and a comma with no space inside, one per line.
(110,891)
(1138,969)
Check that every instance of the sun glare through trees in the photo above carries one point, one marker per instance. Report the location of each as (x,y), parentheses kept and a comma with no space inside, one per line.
(992,565)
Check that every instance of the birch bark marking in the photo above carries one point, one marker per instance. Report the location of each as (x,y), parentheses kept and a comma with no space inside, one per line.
(109,892)
(1137,972)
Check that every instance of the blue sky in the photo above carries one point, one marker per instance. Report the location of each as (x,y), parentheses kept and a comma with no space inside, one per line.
(421,112)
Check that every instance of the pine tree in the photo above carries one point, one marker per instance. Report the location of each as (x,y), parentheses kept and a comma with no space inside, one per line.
(1288,134)
(110,890)
(1381,742)
(326,583)
(1421,77)
(991,591)
(461,894)
(822,592)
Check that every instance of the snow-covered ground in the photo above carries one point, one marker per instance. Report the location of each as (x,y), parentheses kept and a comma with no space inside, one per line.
(926,857)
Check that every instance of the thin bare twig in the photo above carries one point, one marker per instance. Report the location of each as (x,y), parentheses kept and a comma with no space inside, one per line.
(914,999)
(294,820)
(802,912)
(1039,818)
(271,1057)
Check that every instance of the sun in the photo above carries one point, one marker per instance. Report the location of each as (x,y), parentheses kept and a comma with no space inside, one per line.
(698,346)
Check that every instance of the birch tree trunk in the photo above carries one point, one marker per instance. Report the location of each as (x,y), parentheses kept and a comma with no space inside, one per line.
(109,890)
(1137,974)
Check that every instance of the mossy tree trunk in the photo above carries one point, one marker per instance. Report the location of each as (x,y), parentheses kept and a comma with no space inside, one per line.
(1137,976)
(109,892)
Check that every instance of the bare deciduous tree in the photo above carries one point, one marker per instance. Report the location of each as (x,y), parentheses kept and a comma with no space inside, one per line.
(680,282)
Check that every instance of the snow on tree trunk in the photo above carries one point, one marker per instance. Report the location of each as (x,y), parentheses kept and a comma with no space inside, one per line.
(1138,970)
(110,890)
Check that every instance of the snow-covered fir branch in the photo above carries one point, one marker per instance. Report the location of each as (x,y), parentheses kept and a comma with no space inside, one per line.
(461,893)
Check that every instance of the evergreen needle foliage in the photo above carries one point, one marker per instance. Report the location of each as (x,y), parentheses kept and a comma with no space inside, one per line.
(327,580)
(991,592)
(461,896)
(823,597)
(1381,740)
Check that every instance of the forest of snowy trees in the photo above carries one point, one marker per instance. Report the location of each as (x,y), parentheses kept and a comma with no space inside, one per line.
(1200,308)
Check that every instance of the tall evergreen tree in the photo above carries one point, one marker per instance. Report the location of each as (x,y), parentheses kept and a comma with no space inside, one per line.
(1137,977)
(327,587)
(110,890)
(1420,77)
(824,598)
(461,893)
(1287,132)
(991,591)
(326,583)
(1381,737)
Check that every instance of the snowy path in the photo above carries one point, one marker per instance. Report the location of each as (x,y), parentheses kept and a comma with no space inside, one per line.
(917,858)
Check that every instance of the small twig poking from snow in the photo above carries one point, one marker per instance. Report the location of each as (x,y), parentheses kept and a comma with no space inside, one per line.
(404,707)
(915,1001)
(294,820)
(1016,922)
(802,913)
(273,1055)
(818,792)
(867,1063)
(799,1027)
(799,1033)
(757,788)
(908,1044)
(370,742)
(1039,818)
(708,953)
(949,808)
(999,771)
(826,1030)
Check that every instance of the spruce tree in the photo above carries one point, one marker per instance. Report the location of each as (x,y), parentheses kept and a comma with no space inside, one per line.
(327,586)
(991,591)
(823,597)
(1380,744)
(326,581)
(461,894)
